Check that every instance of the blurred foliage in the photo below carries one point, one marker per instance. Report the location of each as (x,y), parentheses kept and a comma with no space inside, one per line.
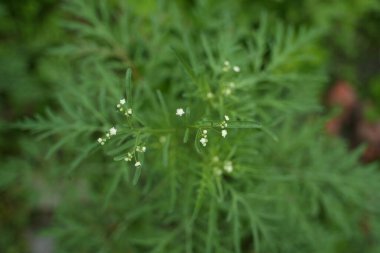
(48,54)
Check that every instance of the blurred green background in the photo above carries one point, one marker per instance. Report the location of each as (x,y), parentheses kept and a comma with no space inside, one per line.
(30,29)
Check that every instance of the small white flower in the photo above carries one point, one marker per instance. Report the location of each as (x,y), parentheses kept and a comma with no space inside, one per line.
(227,91)
(236,68)
(204,131)
(141,149)
(113,131)
(129,111)
(203,141)
(226,117)
(137,164)
(218,171)
(226,66)
(122,101)
(210,95)
(100,140)
(129,157)
(108,135)
(215,159)
(228,166)
(180,112)
(224,133)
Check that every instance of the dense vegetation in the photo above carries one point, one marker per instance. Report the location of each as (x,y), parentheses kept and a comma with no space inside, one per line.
(194,126)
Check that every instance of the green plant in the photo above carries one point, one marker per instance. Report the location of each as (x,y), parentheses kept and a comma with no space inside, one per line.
(211,138)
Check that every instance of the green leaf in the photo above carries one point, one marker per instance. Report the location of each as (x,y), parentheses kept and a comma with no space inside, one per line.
(137,175)
(163,107)
(186,136)
(128,85)
(112,188)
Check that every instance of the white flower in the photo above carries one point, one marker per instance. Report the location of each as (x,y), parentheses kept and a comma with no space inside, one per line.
(228,166)
(226,117)
(129,111)
(203,141)
(204,131)
(129,157)
(113,131)
(227,91)
(224,133)
(226,66)
(236,68)
(218,171)
(137,164)
(210,95)
(141,149)
(122,101)
(215,159)
(180,112)
(102,141)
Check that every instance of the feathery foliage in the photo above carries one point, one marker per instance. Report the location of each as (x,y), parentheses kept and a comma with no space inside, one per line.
(198,130)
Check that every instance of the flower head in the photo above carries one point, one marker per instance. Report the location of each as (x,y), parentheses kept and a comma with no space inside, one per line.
(141,149)
(226,66)
(228,166)
(223,124)
(122,101)
(113,131)
(129,157)
(227,91)
(180,112)
(137,164)
(224,133)
(236,68)
(128,112)
(203,141)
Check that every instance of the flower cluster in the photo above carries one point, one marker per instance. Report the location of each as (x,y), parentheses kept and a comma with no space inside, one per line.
(224,125)
(122,108)
(130,155)
(228,88)
(204,139)
(227,67)
(109,134)
(226,166)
